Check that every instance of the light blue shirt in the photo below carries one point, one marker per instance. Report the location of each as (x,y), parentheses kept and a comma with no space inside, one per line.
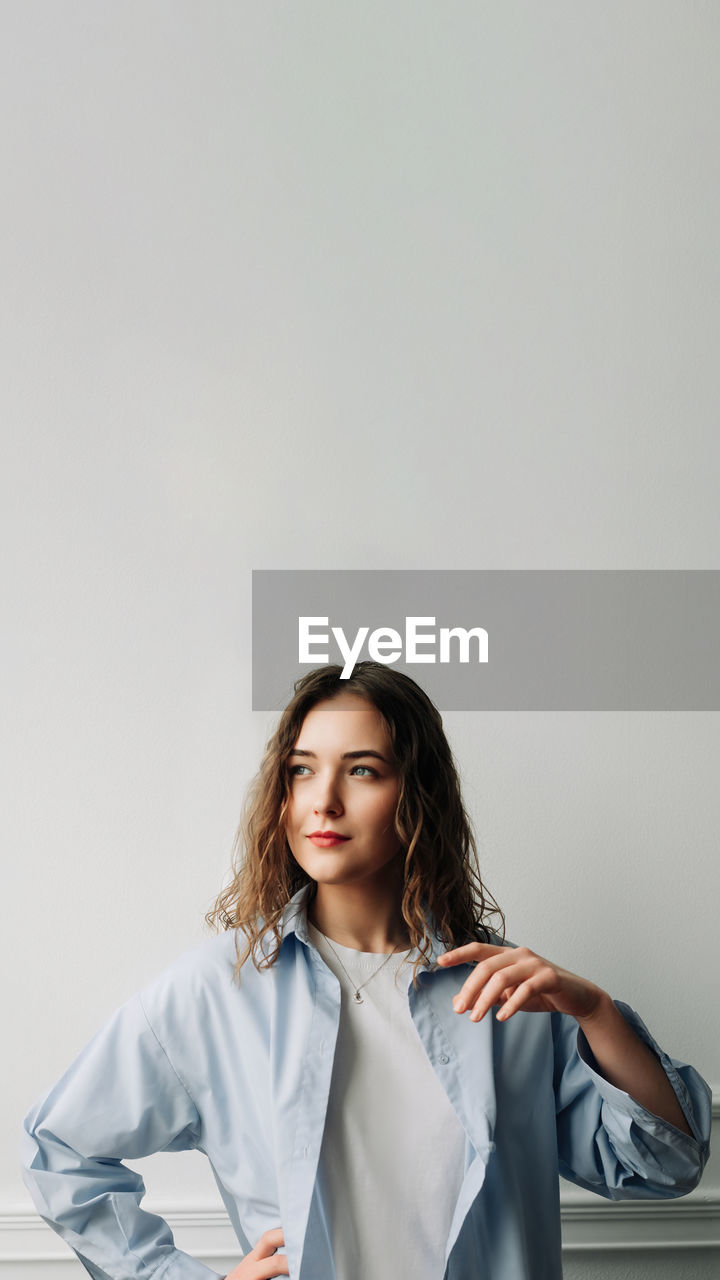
(243,1074)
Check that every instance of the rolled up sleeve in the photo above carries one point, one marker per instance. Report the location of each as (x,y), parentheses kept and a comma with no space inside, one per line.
(608,1142)
(120,1099)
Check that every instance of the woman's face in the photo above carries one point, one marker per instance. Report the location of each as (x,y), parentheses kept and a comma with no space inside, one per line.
(343,780)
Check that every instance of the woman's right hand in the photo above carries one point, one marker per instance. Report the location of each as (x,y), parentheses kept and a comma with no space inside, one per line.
(260,1263)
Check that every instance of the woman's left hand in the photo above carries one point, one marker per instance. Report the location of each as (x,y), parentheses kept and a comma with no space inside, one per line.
(516,978)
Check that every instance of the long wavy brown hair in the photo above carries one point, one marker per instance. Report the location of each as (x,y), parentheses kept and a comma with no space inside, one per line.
(441,875)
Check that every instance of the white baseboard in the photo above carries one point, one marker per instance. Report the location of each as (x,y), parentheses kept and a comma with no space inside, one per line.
(644,1226)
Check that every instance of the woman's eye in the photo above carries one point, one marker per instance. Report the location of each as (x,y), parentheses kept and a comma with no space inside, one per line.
(359,770)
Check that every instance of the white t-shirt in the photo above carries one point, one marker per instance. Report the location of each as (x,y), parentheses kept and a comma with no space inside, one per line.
(393,1154)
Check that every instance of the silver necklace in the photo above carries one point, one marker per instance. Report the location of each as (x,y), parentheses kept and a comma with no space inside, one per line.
(356,993)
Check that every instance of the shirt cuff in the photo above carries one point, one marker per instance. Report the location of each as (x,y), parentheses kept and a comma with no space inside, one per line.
(623,1101)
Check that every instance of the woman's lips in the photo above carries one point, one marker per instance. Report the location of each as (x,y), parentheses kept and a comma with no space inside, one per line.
(326,839)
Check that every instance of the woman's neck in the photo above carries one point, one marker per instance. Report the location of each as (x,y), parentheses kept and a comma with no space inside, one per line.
(359,919)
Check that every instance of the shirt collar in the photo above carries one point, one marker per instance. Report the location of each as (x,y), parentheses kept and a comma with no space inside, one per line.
(294,920)
(294,917)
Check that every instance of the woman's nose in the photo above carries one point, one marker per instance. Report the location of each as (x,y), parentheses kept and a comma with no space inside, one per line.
(327,806)
(327,799)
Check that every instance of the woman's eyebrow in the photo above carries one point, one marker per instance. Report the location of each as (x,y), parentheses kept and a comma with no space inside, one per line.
(347,755)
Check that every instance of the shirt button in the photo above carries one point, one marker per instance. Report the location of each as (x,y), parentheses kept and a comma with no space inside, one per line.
(444,1057)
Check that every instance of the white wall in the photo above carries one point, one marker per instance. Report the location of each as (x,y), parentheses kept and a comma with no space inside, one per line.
(336,286)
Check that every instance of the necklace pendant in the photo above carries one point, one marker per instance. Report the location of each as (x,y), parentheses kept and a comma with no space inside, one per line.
(358,998)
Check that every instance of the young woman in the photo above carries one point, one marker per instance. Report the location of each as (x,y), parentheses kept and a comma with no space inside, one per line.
(383,1088)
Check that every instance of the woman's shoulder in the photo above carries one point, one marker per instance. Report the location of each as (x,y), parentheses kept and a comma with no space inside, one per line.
(201,968)
(214,962)
(193,1004)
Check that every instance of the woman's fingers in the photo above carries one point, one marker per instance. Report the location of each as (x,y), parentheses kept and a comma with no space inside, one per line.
(272,1264)
(270,1267)
(269,1242)
(513,976)
(526,991)
(471,951)
(517,978)
(502,959)
(262,1262)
